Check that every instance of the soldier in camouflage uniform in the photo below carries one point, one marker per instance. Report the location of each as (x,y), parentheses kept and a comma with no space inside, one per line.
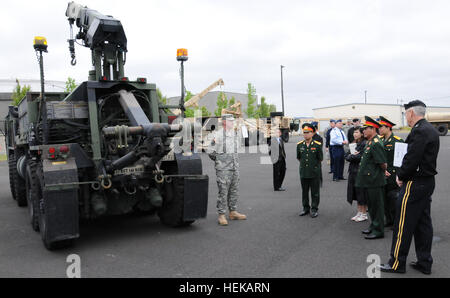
(223,151)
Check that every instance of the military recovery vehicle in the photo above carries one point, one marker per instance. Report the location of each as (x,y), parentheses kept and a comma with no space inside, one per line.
(440,120)
(107,148)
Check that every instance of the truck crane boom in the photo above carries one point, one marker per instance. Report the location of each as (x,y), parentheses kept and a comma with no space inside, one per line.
(104,35)
(194,100)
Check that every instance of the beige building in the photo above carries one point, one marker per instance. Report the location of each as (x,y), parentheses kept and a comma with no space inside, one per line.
(393,112)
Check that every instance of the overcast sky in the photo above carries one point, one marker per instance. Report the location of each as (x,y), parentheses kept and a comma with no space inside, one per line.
(332,50)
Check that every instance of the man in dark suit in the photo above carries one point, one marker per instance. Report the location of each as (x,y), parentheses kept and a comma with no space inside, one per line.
(278,157)
(355,123)
(316,136)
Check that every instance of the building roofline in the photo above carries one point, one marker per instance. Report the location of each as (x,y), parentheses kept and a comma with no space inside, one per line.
(374,104)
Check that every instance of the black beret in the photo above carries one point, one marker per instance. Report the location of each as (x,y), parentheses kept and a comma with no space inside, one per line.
(414,103)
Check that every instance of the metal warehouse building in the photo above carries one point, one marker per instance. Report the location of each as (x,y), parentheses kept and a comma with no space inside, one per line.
(393,112)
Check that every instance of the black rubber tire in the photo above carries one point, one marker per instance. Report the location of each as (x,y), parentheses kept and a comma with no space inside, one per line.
(18,185)
(12,165)
(34,194)
(442,130)
(50,245)
(171,213)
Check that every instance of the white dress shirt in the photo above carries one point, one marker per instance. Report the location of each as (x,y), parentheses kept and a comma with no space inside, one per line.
(337,137)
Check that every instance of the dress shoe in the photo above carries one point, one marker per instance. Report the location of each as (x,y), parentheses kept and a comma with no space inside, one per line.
(342,179)
(330,172)
(388,268)
(280,189)
(420,268)
(373,236)
(303,213)
(367,232)
(314,214)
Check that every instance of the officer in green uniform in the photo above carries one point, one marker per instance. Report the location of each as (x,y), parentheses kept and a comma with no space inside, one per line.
(310,155)
(391,189)
(371,177)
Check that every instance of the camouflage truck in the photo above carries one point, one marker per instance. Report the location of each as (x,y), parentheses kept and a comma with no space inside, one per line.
(107,148)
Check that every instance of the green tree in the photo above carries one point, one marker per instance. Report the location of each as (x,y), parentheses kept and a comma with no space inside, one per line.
(70,85)
(222,103)
(251,110)
(272,108)
(162,98)
(263,109)
(19,92)
(232,101)
(189,113)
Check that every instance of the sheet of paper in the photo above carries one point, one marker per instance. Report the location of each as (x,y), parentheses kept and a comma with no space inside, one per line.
(352,147)
(244,131)
(399,152)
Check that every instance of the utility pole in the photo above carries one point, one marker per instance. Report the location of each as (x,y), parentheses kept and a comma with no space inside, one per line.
(282,95)
(365,96)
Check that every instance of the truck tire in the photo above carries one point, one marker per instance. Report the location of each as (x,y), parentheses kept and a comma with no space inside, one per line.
(442,129)
(171,213)
(18,183)
(12,166)
(34,194)
(50,245)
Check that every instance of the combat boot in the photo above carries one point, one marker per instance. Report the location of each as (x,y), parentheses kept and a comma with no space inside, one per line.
(234,215)
(222,220)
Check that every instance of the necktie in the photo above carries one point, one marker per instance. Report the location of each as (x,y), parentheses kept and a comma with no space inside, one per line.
(342,134)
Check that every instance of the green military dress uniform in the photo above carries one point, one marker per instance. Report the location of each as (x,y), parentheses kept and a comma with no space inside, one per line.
(310,157)
(371,177)
(391,188)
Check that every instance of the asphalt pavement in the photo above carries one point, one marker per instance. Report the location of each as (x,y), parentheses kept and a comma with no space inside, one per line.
(273,242)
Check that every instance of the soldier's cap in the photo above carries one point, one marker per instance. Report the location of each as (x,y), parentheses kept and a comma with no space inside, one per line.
(308,127)
(339,120)
(315,123)
(370,123)
(227,117)
(414,103)
(332,120)
(355,120)
(384,122)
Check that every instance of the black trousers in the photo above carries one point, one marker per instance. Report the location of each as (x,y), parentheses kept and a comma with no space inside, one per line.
(338,162)
(331,159)
(390,198)
(279,171)
(413,218)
